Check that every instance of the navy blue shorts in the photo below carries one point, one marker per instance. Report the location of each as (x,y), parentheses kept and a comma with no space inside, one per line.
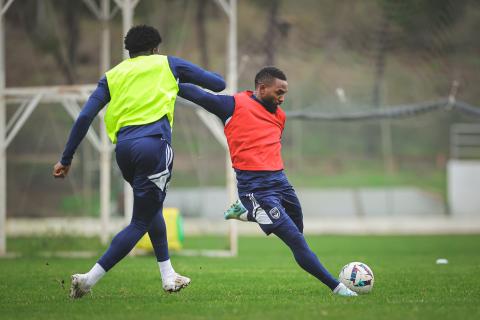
(146,163)
(272,207)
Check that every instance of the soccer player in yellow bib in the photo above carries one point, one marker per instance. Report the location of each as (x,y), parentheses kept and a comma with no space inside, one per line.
(141,93)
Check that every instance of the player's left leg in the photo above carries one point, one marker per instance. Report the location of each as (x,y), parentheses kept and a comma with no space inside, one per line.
(267,209)
(294,239)
(306,259)
(292,207)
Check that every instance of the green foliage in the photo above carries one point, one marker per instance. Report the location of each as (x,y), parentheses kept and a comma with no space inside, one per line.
(417,17)
(263,282)
(75,205)
(36,246)
(433,181)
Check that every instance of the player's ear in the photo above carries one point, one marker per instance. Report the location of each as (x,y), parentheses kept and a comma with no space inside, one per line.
(261,88)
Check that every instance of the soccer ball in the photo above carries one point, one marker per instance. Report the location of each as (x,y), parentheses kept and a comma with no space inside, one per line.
(357,276)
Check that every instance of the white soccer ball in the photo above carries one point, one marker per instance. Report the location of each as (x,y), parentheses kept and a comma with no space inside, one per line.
(357,276)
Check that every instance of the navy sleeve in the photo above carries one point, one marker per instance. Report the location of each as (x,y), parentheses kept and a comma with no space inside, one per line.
(97,100)
(220,105)
(188,72)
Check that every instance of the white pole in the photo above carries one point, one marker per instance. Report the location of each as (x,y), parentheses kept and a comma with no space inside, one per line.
(232,48)
(105,45)
(105,153)
(3,147)
(232,78)
(127,15)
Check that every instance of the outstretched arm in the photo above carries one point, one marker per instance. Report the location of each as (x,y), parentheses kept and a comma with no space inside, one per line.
(187,72)
(97,100)
(220,105)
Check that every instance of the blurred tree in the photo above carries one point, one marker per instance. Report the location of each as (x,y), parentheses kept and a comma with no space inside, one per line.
(276,29)
(419,19)
(201,32)
(52,35)
(380,59)
(271,33)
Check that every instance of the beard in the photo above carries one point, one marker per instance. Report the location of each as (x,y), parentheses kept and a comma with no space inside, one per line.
(270,105)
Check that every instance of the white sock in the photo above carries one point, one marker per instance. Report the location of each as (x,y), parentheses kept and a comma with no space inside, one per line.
(166,269)
(95,274)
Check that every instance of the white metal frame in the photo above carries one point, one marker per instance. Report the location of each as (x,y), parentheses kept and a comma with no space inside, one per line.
(215,126)
(70,96)
(3,145)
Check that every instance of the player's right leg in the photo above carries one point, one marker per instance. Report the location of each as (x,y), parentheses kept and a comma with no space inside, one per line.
(236,211)
(159,175)
(171,280)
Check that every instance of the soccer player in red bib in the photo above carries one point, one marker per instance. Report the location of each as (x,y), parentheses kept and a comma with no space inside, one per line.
(254,124)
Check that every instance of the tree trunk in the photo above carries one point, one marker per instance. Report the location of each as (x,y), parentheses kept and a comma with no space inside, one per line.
(373,131)
(202,33)
(71,19)
(271,35)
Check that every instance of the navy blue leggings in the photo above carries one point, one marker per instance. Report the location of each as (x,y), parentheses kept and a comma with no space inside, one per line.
(146,163)
(147,216)
(294,239)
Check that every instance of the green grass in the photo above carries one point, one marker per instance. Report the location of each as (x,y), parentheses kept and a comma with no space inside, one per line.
(263,282)
(431,181)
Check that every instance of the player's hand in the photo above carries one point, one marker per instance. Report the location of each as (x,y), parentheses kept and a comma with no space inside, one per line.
(60,171)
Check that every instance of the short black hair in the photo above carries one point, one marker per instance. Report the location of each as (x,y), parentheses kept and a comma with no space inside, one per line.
(142,38)
(267,74)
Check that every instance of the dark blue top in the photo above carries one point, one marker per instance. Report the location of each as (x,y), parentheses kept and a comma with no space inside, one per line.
(220,105)
(182,70)
(223,107)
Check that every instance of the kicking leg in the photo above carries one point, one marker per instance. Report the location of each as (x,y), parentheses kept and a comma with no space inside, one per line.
(273,218)
(305,258)
(293,208)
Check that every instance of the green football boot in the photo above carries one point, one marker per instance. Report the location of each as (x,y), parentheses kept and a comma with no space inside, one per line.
(236,211)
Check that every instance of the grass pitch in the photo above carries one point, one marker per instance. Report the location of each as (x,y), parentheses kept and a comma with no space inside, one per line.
(263,282)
